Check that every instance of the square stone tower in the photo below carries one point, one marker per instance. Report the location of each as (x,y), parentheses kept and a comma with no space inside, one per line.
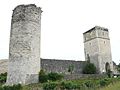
(24,48)
(97,48)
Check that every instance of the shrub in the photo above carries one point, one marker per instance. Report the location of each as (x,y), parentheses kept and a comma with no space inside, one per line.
(14,87)
(17,87)
(42,76)
(89,84)
(50,76)
(66,85)
(54,76)
(89,68)
(109,73)
(49,86)
(69,85)
(3,77)
(83,84)
(104,82)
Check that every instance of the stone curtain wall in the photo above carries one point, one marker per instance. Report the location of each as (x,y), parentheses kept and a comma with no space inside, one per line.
(24,48)
(52,65)
(62,66)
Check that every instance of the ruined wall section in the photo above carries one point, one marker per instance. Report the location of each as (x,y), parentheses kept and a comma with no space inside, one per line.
(62,66)
(52,65)
(24,48)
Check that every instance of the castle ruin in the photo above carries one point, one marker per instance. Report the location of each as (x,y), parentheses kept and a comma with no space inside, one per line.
(24,48)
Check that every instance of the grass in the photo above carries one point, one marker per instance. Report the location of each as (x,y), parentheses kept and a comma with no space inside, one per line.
(32,87)
(112,86)
(83,83)
(115,86)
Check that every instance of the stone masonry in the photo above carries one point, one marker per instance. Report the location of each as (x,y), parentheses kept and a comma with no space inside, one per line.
(62,66)
(24,61)
(24,48)
(97,48)
(55,65)
(52,65)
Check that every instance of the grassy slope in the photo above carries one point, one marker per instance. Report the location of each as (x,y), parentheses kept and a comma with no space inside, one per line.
(115,86)
(32,87)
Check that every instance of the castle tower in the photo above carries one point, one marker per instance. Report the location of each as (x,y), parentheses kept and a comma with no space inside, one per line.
(24,48)
(97,48)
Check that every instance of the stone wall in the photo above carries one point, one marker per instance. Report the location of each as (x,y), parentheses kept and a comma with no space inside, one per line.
(52,65)
(62,66)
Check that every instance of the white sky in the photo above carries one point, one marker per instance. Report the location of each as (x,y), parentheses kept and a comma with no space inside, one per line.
(63,22)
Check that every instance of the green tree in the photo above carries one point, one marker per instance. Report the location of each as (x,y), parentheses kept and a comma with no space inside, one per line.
(54,76)
(89,68)
(43,77)
(3,77)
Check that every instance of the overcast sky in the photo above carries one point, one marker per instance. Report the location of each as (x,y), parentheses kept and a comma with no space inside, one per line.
(63,22)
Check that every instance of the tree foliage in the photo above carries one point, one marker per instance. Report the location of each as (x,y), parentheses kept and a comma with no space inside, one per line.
(89,68)
(43,77)
(3,77)
(54,76)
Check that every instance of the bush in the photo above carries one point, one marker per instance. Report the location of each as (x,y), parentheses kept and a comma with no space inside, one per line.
(14,87)
(50,86)
(89,84)
(69,85)
(109,73)
(42,76)
(105,82)
(3,77)
(54,76)
(89,68)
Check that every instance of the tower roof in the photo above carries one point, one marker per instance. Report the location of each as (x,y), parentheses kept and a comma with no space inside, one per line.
(96,28)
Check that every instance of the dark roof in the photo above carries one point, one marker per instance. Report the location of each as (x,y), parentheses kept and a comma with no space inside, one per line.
(94,28)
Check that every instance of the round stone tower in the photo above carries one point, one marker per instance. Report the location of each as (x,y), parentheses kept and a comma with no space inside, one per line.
(24,48)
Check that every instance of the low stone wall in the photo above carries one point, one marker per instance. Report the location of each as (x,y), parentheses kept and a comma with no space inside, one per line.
(79,76)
